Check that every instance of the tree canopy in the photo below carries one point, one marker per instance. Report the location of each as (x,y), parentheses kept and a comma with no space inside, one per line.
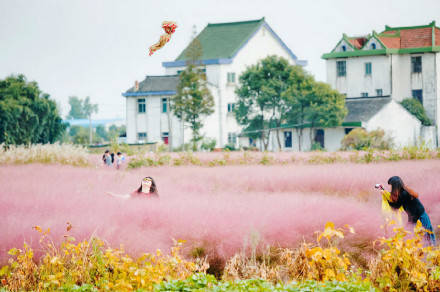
(27,115)
(273,92)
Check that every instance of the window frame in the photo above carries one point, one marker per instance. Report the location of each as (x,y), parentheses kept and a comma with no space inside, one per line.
(144,135)
(230,77)
(341,71)
(141,104)
(368,68)
(416,67)
(164,102)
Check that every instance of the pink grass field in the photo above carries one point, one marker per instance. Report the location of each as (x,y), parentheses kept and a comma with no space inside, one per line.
(219,208)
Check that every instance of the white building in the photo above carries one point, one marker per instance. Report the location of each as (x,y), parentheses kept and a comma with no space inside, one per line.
(228,48)
(398,63)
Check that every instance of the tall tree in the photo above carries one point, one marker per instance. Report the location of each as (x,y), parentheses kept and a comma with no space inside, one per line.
(76,108)
(27,115)
(193,100)
(260,107)
(88,110)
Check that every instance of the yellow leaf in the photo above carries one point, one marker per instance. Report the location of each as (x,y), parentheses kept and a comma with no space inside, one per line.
(38,228)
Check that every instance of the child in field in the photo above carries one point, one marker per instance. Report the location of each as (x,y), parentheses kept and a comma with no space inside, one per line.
(403,196)
(147,189)
(119,160)
(106,158)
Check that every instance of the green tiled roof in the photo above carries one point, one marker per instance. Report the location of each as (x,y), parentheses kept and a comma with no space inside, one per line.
(222,40)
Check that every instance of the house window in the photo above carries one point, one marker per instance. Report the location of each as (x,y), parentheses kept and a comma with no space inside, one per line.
(418,94)
(340,68)
(379,92)
(373,46)
(288,139)
(319,137)
(142,136)
(231,77)
(141,105)
(348,130)
(416,64)
(368,68)
(164,105)
(344,48)
(364,94)
(232,138)
(165,137)
(231,107)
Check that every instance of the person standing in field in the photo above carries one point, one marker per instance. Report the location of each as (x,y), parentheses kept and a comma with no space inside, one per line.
(147,189)
(106,158)
(119,160)
(403,196)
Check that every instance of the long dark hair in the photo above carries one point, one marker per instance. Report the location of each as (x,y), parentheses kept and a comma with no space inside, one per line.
(397,186)
(153,188)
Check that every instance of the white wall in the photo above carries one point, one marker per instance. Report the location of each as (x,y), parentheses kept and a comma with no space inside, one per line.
(437,62)
(398,123)
(220,123)
(131,114)
(333,138)
(355,82)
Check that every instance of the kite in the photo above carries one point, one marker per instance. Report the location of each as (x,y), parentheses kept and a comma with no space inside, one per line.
(170,28)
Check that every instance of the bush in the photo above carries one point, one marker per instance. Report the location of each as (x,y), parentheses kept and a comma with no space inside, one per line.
(416,109)
(208,144)
(360,139)
(44,153)
(230,147)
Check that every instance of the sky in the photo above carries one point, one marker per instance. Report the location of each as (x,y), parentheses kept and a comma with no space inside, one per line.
(98,48)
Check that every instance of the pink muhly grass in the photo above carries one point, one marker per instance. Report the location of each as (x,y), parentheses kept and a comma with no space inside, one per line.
(217,208)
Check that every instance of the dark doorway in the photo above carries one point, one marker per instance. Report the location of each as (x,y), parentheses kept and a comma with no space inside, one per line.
(319,137)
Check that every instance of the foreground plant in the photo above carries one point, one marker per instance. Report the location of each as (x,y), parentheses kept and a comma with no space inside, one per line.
(405,264)
(318,262)
(91,263)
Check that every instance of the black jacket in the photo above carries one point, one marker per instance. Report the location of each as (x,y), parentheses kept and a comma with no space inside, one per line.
(411,205)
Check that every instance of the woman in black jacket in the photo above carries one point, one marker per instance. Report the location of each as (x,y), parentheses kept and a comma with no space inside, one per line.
(402,195)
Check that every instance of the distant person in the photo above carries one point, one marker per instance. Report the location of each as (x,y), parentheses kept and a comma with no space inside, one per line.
(106,158)
(147,189)
(113,157)
(119,160)
(403,196)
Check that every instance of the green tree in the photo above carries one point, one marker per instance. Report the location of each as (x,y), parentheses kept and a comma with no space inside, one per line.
(193,100)
(88,110)
(416,109)
(102,132)
(261,106)
(78,134)
(315,103)
(76,108)
(27,115)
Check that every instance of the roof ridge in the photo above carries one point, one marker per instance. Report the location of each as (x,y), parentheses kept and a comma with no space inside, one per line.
(368,98)
(171,75)
(236,22)
(431,24)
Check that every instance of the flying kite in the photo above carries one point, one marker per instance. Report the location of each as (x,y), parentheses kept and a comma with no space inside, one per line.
(170,28)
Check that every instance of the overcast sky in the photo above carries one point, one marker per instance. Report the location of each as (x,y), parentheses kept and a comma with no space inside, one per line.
(99,48)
